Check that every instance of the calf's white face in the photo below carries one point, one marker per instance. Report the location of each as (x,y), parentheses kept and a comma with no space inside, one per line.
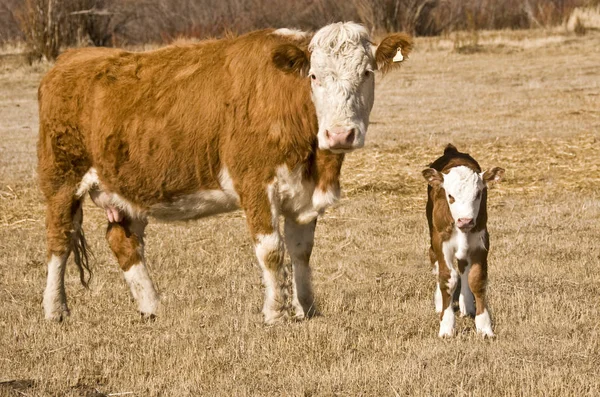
(340,64)
(464,190)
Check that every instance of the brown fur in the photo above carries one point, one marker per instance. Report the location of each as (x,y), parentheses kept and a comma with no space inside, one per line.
(125,244)
(388,48)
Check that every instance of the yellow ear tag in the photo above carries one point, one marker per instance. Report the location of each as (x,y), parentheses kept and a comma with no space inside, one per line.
(398,57)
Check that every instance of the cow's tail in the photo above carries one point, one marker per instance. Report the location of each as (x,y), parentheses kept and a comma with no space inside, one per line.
(79,246)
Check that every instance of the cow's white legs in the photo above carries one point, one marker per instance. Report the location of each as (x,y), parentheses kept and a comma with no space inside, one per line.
(262,214)
(55,298)
(142,289)
(466,300)
(126,239)
(299,240)
(269,252)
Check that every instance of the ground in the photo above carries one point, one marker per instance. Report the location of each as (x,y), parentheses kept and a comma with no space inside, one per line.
(528,102)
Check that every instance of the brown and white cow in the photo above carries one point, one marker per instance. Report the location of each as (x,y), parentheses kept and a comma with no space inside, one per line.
(457,217)
(259,122)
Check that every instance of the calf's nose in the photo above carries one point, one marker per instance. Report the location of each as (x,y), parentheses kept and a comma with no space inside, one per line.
(341,137)
(465,222)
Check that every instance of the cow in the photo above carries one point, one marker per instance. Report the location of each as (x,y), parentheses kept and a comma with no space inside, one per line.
(259,121)
(457,216)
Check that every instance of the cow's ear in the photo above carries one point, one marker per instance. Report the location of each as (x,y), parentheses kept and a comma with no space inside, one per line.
(433,177)
(291,59)
(494,175)
(392,50)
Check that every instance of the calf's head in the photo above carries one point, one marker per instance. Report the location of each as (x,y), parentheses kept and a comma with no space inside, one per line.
(340,63)
(463,188)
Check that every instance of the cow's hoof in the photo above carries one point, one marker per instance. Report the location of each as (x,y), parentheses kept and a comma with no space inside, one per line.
(273,317)
(446,333)
(58,315)
(148,317)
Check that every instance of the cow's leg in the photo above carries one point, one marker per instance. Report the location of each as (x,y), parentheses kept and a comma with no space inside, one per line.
(466,301)
(262,214)
(477,282)
(63,227)
(126,239)
(447,279)
(299,242)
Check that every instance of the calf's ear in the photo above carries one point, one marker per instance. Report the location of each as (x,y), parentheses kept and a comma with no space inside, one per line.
(433,177)
(494,175)
(291,59)
(392,50)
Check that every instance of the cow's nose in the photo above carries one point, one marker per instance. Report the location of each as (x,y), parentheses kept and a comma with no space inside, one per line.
(341,137)
(464,223)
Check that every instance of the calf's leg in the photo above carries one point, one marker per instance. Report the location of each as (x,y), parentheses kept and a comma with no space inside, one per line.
(466,301)
(447,279)
(126,240)
(299,240)
(477,282)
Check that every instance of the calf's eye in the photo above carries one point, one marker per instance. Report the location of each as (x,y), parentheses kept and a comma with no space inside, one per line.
(450,199)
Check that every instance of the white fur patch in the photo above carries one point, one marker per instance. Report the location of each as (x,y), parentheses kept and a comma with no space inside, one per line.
(294,34)
(142,289)
(88,182)
(272,278)
(437,298)
(55,300)
(298,197)
(323,199)
(483,323)
(191,206)
(447,323)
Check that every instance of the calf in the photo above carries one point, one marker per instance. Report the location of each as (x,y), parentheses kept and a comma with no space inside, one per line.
(457,216)
(259,122)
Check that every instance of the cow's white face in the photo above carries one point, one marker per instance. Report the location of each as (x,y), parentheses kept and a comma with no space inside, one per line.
(464,189)
(340,64)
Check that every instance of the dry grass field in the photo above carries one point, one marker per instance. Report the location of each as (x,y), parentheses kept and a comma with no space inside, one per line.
(527,102)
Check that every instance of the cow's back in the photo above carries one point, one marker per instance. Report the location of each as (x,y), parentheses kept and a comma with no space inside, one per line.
(160,124)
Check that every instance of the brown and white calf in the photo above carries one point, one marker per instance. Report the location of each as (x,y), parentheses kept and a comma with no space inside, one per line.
(259,122)
(457,217)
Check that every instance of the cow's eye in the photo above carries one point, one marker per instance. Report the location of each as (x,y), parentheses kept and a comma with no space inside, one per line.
(450,199)
(313,77)
(367,73)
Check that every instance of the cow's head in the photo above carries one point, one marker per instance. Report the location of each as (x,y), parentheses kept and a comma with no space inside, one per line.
(340,62)
(464,189)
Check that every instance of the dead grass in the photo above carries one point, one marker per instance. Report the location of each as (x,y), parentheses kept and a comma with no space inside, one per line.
(534,110)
